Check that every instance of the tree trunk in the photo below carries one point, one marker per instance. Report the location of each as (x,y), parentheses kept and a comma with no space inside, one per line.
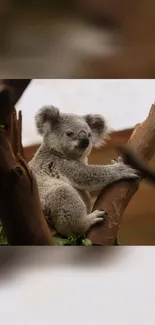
(20,209)
(115,198)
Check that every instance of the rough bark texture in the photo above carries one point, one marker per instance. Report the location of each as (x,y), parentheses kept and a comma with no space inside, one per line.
(20,209)
(115,198)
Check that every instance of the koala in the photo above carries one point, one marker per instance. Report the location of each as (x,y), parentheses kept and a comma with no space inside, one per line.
(64,178)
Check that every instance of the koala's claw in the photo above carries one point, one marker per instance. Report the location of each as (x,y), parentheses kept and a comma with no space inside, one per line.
(105,213)
(130,173)
(100,213)
(119,160)
(135,174)
(113,162)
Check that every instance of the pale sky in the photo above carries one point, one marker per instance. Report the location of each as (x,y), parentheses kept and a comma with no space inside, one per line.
(123,102)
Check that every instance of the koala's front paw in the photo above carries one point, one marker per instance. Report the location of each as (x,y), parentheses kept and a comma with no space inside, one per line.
(127,172)
(97,216)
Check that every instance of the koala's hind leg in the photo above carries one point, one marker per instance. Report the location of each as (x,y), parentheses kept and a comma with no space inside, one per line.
(69,213)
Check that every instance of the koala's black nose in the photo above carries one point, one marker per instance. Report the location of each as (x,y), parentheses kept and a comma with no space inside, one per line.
(84,143)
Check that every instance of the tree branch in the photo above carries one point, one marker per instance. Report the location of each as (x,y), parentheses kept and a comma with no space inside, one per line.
(115,198)
(20,209)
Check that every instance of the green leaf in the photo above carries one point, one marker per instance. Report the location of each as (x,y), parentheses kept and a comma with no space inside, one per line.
(60,241)
(72,241)
(86,242)
(3,240)
(117,242)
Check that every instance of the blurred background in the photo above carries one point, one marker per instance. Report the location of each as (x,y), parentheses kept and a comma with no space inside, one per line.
(77,38)
(124,103)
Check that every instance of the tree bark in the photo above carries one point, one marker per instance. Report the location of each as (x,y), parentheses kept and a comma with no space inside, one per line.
(115,198)
(20,210)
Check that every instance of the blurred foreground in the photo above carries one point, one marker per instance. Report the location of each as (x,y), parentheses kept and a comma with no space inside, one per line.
(44,285)
(80,38)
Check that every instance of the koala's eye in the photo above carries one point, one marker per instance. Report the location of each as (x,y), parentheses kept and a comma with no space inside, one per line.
(89,135)
(69,133)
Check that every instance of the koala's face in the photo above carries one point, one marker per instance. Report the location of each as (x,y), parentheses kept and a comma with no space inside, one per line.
(72,135)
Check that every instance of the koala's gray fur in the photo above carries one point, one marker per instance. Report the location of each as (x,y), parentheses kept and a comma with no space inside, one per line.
(60,166)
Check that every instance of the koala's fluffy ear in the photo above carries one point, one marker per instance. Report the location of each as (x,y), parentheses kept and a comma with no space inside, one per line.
(99,129)
(45,118)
